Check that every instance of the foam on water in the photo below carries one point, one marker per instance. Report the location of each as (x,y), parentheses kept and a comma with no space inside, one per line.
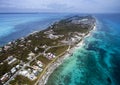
(98,61)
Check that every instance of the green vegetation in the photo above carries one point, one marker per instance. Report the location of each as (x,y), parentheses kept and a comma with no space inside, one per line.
(21,80)
(44,60)
(22,47)
(4,68)
(33,63)
(41,58)
(58,50)
(65,28)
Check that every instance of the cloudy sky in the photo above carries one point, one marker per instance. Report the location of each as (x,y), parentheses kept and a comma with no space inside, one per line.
(80,6)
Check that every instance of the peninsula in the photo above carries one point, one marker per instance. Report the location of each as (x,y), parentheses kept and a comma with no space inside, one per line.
(30,60)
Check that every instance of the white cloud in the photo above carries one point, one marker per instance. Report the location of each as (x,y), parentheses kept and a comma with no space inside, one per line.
(63,5)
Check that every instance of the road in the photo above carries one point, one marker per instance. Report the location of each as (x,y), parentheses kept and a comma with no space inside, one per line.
(7,83)
(27,64)
(49,65)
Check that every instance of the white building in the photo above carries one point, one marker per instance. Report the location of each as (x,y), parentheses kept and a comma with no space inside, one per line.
(51,36)
(37,68)
(11,60)
(50,56)
(17,66)
(39,63)
(6,47)
(13,70)
(36,48)
(4,77)
(30,56)
(26,73)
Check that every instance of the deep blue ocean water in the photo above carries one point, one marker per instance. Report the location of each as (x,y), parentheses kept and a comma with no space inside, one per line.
(97,62)
(14,26)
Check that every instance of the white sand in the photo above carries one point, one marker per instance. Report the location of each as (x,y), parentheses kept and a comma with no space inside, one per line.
(60,60)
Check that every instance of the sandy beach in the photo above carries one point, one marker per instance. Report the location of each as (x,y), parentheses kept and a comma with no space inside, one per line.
(59,61)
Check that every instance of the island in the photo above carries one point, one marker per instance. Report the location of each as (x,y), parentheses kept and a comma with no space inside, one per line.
(30,60)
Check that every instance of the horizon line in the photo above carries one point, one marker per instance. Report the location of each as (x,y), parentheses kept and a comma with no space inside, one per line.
(58,12)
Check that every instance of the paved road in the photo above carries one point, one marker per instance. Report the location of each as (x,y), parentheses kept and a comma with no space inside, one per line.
(7,83)
(49,65)
(27,64)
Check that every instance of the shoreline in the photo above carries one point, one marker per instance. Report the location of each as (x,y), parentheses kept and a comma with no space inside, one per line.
(60,60)
(56,62)
(40,29)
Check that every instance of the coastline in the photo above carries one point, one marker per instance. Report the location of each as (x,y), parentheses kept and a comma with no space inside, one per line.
(52,65)
(50,69)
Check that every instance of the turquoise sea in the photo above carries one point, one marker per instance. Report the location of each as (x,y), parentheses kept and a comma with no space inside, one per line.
(98,61)
(16,25)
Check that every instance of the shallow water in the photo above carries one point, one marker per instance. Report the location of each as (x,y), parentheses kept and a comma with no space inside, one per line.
(98,61)
(95,63)
(14,26)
